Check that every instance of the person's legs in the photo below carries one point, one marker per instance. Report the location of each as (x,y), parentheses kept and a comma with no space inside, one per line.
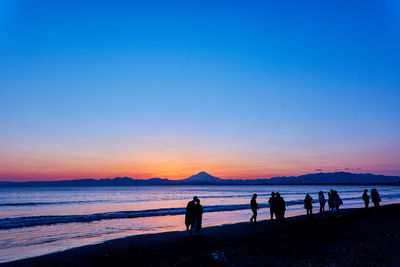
(281,216)
(272,215)
(253,218)
(191,228)
(197,230)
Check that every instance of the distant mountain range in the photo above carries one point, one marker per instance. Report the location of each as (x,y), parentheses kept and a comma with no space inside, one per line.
(203,178)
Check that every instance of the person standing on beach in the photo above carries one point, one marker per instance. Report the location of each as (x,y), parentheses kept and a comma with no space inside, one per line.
(198,217)
(254,208)
(375,198)
(271,202)
(322,201)
(330,200)
(280,208)
(365,197)
(308,205)
(189,215)
(337,201)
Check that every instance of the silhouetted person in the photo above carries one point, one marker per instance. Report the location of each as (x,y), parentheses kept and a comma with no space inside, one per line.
(322,201)
(308,205)
(375,198)
(198,217)
(280,207)
(272,205)
(365,197)
(330,200)
(337,201)
(190,215)
(254,208)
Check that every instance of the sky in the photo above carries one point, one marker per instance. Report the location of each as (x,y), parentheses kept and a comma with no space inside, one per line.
(240,89)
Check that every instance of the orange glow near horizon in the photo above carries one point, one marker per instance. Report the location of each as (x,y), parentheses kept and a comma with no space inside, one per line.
(179,160)
(171,169)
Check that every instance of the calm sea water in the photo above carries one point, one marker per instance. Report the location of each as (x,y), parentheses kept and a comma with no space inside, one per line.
(36,221)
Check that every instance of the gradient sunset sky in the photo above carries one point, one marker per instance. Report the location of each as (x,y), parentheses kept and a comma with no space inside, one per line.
(240,89)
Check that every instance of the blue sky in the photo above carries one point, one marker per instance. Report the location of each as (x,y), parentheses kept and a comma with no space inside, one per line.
(242,89)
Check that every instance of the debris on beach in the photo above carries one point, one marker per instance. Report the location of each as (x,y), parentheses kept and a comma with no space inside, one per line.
(219,256)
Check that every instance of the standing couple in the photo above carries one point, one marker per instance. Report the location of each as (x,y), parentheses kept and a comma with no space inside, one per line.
(277,206)
(193,216)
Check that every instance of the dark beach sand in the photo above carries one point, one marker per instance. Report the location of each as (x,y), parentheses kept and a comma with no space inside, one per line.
(356,238)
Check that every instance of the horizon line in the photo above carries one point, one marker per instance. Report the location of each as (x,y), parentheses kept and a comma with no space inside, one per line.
(146,179)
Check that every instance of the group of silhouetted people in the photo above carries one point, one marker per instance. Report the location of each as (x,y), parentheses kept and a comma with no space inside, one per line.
(334,200)
(374,198)
(277,204)
(277,207)
(194,216)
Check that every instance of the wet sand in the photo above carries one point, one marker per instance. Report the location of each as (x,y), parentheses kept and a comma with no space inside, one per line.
(353,237)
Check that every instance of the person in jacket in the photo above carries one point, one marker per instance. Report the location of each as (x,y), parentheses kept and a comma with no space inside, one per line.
(375,198)
(271,203)
(322,201)
(308,204)
(337,201)
(189,215)
(280,207)
(254,208)
(365,197)
(330,200)
(198,217)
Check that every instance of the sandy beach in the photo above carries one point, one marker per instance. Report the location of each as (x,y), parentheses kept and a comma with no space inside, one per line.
(353,237)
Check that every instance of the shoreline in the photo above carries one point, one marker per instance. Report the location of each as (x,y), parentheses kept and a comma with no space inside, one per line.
(135,248)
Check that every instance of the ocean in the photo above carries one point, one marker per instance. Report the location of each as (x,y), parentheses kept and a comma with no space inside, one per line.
(40,220)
